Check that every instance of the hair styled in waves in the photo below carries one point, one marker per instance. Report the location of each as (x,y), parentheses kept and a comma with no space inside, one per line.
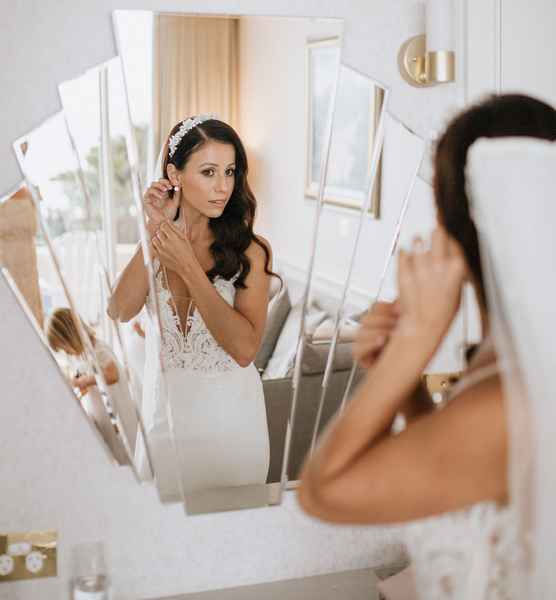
(233,230)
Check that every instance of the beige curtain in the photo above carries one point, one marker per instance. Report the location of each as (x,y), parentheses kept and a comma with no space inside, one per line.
(195,70)
(18,228)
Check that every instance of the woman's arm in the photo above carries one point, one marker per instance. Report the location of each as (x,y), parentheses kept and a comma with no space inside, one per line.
(375,329)
(84,382)
(238,329)
(132,286)
(359,473)
(444,461)
(130,290)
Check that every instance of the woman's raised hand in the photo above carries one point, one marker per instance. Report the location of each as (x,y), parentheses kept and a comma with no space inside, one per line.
(430,284)
(173,249)
(376,327)
(158,205)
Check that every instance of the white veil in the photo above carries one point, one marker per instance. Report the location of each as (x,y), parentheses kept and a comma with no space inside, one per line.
(513,197)
(157,171)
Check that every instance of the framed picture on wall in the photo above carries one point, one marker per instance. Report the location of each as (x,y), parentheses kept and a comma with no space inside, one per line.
(357,111)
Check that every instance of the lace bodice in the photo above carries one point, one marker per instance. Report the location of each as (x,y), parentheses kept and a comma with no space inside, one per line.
(198,350)
(465,555)
(469,554)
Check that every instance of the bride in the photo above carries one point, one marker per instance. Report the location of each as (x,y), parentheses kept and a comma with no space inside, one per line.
(212,285)
(447,471)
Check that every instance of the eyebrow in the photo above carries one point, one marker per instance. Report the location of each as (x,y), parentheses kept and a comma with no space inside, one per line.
(215,165)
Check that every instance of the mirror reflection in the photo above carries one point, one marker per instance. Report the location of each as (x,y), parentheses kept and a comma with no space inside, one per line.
(351,178)
(62,264)
(225,115)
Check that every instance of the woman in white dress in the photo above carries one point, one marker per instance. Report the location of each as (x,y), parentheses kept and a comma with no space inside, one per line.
(446,473)
(212,283)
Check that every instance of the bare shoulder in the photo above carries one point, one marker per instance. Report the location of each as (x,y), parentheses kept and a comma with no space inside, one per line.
(465,444)
(256,251)
(481,402)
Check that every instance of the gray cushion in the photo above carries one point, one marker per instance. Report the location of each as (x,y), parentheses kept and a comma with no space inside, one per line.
(282,360)
(278,310)
(316,355)
(325,331)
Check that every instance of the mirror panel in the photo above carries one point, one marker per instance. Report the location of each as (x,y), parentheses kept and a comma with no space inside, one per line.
(95,105)
(235,67)
(350,197)
(71,284)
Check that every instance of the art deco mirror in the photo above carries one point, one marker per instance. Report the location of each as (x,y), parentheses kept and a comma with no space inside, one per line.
(66,285)
(326,160)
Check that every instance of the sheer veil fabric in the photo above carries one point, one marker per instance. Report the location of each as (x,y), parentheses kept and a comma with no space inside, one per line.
(512,185)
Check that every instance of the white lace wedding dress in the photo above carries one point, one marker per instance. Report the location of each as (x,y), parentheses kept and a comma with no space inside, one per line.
(465,555)
(218,409)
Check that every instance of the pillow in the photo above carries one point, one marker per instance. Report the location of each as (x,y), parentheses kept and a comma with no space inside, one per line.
(325,331)
(278,310)
(316,355)
(282,360)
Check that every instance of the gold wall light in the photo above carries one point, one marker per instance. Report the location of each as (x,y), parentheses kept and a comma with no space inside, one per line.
(429,59)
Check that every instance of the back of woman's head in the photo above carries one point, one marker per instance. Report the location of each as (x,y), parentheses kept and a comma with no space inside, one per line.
(62,332)
(498,116)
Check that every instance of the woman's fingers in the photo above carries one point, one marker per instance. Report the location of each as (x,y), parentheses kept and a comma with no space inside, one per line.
(369,343)
(371,321)
(439,244)
(405,267)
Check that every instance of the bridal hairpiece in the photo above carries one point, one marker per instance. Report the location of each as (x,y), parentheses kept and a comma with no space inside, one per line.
(184,129)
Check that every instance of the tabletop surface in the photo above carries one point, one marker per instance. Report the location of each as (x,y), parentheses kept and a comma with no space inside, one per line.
(347,585)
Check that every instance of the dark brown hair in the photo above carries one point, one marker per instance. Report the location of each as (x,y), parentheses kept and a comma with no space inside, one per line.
(233,230)
(497,116)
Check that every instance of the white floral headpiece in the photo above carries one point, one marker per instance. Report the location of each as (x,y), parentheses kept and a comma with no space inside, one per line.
(184,129)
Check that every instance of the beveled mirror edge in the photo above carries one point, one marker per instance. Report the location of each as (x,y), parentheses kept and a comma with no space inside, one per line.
(378,144)
(84,338)
(12,286)
(105,274)
(393,245)
(301,340)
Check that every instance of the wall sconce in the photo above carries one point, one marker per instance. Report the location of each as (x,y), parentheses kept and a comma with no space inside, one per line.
(426,60)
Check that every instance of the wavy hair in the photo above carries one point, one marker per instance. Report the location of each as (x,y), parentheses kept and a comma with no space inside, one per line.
(233,230)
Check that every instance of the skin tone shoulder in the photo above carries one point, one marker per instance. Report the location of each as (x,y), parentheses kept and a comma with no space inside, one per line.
(205,186)
(445,460)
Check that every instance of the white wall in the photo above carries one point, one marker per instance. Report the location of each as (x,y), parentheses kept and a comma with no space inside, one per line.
(273,120)
(273,123)
(528,48)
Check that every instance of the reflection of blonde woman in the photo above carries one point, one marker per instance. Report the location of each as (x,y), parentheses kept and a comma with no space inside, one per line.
(62,335)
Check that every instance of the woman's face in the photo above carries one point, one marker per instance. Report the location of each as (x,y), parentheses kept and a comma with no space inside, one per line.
(208,179)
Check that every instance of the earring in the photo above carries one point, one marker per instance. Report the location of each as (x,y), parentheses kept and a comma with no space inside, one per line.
(176,188)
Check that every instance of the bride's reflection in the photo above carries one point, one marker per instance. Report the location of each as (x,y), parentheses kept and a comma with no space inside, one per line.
(212,280)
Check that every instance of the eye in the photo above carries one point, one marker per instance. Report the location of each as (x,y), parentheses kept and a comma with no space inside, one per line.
(230,172)
(208,172)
